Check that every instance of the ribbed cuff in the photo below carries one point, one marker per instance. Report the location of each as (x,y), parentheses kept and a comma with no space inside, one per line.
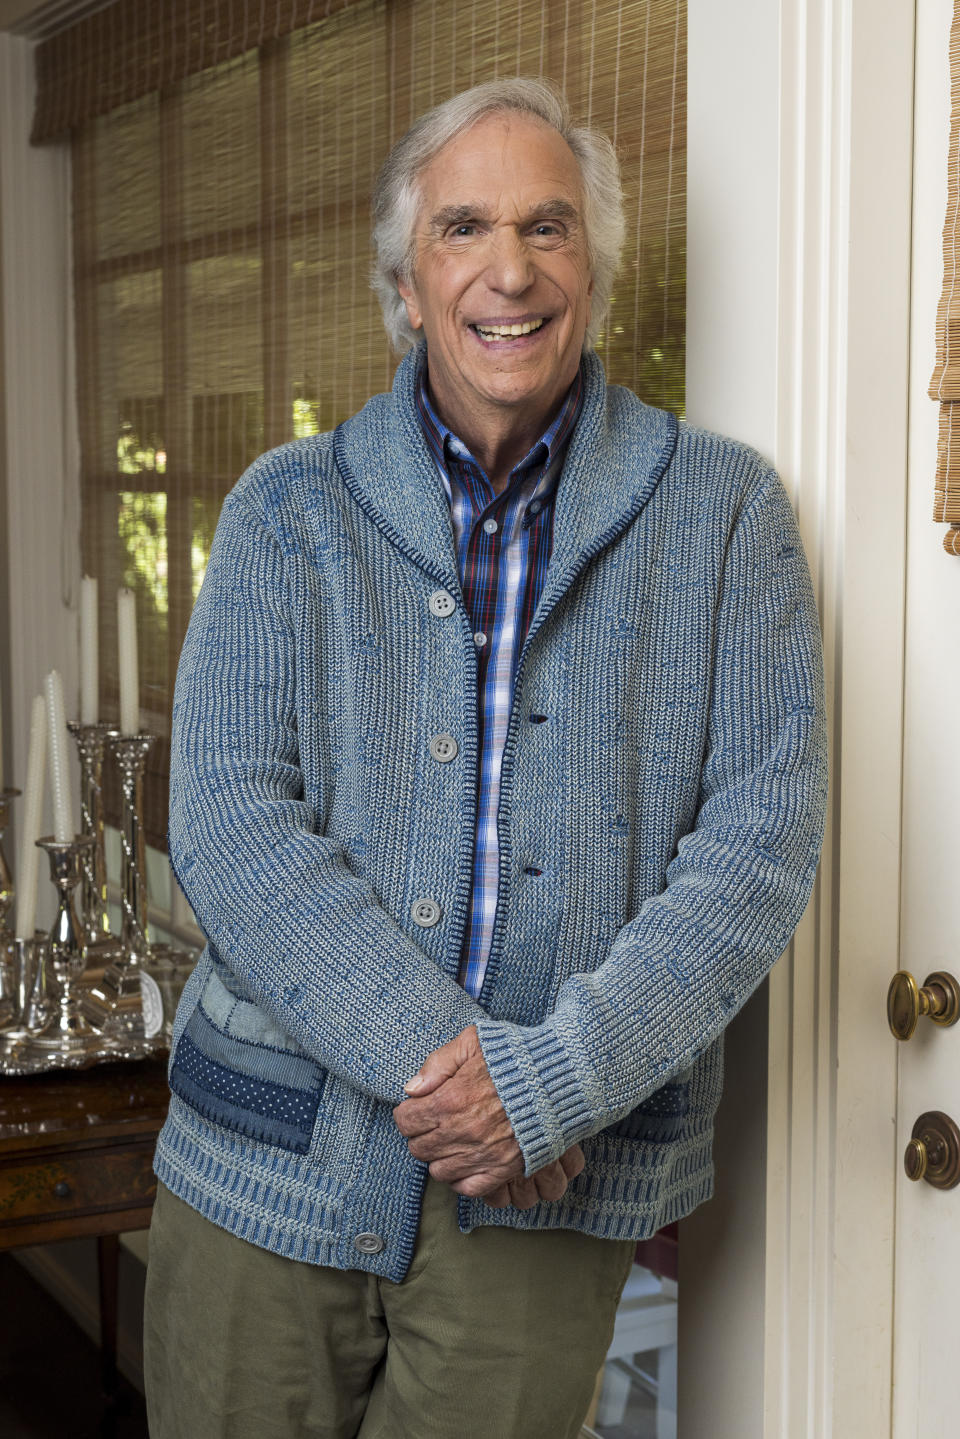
(544,1096)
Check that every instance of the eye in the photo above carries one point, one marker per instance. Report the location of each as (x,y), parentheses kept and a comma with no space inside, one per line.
(464,231)
(548,232)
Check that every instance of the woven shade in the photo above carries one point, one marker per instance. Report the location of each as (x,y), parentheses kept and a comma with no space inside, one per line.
(133,47)
(945,384)
(222,252)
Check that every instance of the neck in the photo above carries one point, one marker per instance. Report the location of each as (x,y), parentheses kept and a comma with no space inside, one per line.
(498,439)
(498,447)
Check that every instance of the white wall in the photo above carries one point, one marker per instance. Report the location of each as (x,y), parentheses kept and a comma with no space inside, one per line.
(732,315)
(42,555)
(799,162)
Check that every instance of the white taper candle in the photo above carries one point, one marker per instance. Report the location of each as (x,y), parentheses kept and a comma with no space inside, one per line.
(59,765)
(127,657)
(89,653)
(29,866)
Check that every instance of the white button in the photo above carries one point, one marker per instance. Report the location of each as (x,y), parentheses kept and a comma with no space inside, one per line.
(534,507)
(444,748)
(479,639)
(442,603)
(425,912)
(369,1243)
(491,526)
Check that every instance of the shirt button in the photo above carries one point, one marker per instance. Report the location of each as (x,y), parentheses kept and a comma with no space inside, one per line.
(369,1244)
(425,912)
(491,526)
(479,639)
(444,748)
(442,603)
(534,507)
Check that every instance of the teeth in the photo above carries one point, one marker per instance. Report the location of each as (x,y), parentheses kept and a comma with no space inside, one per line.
(501,332)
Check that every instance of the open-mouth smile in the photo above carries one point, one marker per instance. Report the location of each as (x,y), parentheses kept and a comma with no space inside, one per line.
(493,334)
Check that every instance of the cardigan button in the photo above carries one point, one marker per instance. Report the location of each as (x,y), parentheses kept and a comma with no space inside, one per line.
(442,603)
(369,1244)
(425,912)
(444,748)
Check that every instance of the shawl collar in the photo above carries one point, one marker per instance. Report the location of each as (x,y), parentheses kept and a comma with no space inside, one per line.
(617,455)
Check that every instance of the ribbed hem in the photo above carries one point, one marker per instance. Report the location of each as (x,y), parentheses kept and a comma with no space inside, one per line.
(628,1190)
(545,1098)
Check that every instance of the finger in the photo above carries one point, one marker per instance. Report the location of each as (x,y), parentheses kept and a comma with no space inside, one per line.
(572,1161)
(550,1182)
(435,1070)
(475,1186)
(466,1164)
(443,1063)
(497,1198)
(412,1118)
(523,1193)
(455,1159)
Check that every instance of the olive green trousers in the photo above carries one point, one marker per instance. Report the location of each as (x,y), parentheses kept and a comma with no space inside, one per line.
(497,1334)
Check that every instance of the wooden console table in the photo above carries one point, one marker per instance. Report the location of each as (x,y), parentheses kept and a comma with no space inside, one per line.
(76,1152)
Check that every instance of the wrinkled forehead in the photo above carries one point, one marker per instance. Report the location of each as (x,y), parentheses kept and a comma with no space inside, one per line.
(506,160)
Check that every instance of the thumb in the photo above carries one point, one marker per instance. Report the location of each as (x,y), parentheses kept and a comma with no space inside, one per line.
(443,1064)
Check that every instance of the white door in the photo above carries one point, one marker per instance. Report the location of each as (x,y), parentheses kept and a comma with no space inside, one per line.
(927,1283)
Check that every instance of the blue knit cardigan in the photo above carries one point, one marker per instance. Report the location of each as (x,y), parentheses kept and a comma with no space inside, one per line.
(659,830)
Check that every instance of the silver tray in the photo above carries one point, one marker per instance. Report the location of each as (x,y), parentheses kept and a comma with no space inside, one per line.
(18,1055)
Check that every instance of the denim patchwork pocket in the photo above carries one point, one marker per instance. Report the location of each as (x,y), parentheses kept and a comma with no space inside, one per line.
(236,1068)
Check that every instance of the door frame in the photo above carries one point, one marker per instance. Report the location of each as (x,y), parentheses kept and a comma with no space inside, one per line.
(799,212)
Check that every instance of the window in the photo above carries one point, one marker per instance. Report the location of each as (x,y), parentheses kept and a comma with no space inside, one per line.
(221,181)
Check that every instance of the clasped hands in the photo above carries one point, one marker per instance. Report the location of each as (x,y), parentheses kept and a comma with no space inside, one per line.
(455,1123)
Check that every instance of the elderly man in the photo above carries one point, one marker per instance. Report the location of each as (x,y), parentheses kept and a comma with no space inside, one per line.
(498,782)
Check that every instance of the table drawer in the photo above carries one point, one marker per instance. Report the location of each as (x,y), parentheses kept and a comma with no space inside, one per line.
(92,1181)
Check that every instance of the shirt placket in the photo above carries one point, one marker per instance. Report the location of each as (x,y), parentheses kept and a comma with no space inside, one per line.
(496,574)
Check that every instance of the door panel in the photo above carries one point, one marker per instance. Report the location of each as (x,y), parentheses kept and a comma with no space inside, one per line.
(927,1297)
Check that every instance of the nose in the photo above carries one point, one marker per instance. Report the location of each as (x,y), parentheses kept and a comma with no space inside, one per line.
(509,265)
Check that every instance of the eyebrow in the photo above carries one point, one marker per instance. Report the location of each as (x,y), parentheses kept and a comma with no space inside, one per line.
(552,209)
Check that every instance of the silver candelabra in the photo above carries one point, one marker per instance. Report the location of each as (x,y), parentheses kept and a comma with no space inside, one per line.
(68,1031)
(91,740)
(84,994)
(116,1004)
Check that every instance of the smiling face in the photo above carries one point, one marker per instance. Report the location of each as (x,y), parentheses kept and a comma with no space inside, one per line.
(501,285)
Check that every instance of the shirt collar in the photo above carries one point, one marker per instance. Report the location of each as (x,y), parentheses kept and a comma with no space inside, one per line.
(546,453)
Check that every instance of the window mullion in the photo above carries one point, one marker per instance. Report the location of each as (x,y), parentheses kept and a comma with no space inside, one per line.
(275,262)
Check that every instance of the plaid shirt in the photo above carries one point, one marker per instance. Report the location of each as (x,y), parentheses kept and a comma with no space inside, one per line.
(503,549)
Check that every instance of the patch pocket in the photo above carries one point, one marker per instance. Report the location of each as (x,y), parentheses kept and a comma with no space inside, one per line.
(660,1117)
(225,1068)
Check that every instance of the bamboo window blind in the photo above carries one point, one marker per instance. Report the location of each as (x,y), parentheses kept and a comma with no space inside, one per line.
(223,157)
(945,384)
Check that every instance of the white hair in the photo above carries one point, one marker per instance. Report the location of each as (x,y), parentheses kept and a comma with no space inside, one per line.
(397,198)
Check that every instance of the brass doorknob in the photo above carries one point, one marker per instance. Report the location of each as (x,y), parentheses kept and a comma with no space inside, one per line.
(938,998)
(933,1153)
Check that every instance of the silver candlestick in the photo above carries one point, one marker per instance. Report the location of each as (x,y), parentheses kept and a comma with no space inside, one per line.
(115,1004)
(68,1032)
(33,1003)
(7,982)
(91,742)
(130,752)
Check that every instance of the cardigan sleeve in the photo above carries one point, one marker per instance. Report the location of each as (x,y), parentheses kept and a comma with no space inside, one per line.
(277,900)
(737,887)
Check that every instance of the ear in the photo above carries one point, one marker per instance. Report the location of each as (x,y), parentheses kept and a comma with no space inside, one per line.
(409,297)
